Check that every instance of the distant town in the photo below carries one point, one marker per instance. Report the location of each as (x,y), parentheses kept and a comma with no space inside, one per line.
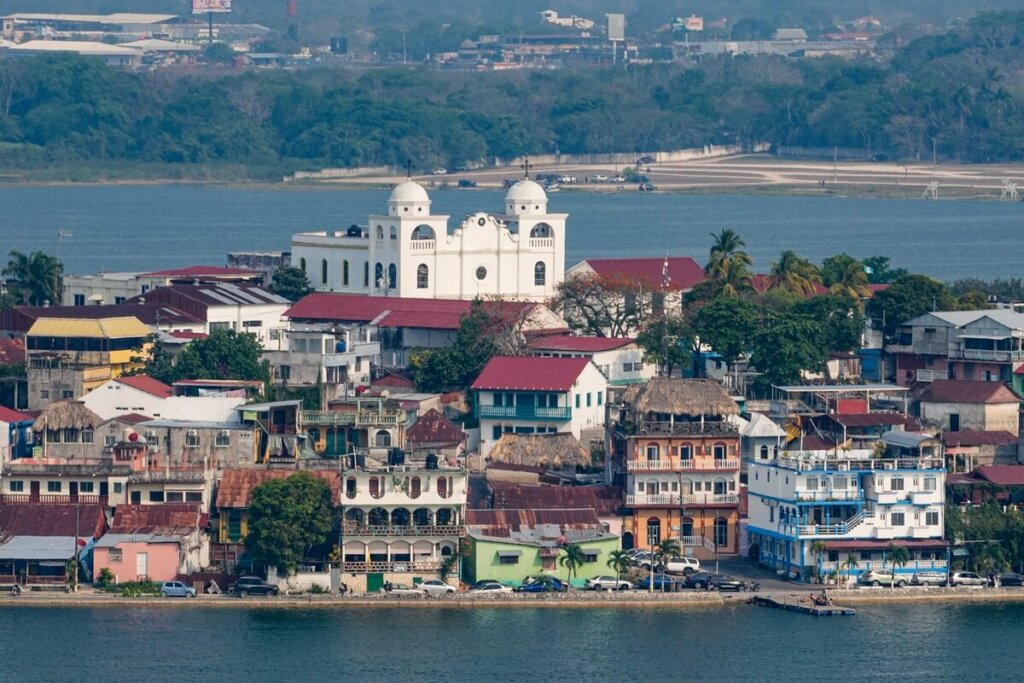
(419,406)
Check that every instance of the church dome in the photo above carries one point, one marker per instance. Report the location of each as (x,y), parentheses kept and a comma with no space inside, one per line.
(409,191)
(526,192)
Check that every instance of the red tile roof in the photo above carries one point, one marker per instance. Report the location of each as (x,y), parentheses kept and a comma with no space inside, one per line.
(433,427)
(812,442)
(167,518)
(568,342)
(683,271)
(200,271)
(8,415)
(525,373)
(967,391)
(148,385)
(12,351)
(235,490)
(604,500)
(1002,475)
(977,438)
(393,381)
(39,519)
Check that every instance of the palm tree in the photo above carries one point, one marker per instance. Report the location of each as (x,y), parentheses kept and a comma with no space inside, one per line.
(573,559)
(850,564)
(666,549)
(795,274)
(850,281)
(726,248)
(898,557)
(736,279)
(619,560)
(35,278)
(818,548)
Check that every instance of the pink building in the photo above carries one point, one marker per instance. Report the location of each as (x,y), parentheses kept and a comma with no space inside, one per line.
(155,541)
(132,557)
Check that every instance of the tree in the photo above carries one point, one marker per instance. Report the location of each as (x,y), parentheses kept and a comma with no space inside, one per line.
(573,559)
(850,564)
(662,552)
(287,517)
(290,282)
(840,318)
(456,367)
(619,561)
(726,248)
(666,341)
(879,271)
(225,354)
(785,347)
(795,274)
(220,53)
(728,324)
(34,279)
(907,298)
(818,548)
(603,306)
(845,276)
(899,556)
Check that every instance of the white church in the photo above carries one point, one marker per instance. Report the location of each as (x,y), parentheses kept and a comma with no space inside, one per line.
(410,252)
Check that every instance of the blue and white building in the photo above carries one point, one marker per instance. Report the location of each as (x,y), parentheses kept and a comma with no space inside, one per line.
(858,502)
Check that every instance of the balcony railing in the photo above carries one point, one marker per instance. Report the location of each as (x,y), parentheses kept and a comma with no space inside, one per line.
(53,498)
(354,529)
(677,465)
(525,412)
(375,567)
(675,499)
(541,242)
(712,429)
(826,496)
(420,246)
(931,375)
(837,463)
(337,418)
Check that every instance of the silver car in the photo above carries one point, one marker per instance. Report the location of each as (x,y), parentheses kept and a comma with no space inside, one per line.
(436,587)
(966,579)
(176,589)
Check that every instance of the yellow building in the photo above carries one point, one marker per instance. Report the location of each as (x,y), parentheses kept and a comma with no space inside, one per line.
(69,357)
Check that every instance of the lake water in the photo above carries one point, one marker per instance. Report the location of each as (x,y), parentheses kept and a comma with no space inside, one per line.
(898,642)
(151,227)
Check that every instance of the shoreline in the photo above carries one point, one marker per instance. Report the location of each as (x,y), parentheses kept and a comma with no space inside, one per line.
(582,600)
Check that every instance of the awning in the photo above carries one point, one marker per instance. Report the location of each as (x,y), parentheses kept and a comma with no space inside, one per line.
(909,544)
(510,553)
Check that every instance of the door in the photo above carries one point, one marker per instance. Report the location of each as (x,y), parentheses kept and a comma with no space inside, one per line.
(104,489)
(33,489)
(374,582)
(954,422)
(73,490)
(142,565)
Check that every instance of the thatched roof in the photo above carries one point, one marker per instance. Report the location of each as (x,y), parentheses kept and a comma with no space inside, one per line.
(673,396)
(67,414)
(543,450)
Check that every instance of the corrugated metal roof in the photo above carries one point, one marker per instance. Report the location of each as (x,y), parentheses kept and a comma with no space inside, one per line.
(171,519)
(978,438)
(967,391)
(434,428)
(38,519)
(525,373)
(39,548)
(235,490)
(568,342)
(604,500)
(103,328)
(1002,475)
(907,439)
(147,384)
(112,540)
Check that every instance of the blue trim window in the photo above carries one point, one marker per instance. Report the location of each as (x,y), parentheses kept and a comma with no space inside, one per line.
(577,400)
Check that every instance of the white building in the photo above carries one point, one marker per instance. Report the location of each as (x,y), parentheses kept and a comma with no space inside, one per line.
(410,252)
(855,502)
(529,395)
(144,395)
(335,355)
(620,359)
(116,288)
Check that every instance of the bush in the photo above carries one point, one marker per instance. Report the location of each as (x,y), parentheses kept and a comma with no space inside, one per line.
(137,589)
(105,578)
(317,589)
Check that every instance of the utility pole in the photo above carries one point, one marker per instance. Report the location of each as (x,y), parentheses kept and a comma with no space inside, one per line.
(74,577)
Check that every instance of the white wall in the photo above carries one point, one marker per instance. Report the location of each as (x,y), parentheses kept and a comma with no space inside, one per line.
(113,398)
(269,316)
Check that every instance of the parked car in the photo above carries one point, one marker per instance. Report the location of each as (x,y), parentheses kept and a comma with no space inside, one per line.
(598,178)
(619,179)
(662,582)
(724,582)
(489,587)
(440,171)
(1011,579)
(176,589)
(643,559)
(466,182)
(966,579)
(682,565)
(647,187)
(697,580)
(543,584)
(880,577)
(400,589)
(252,585)
(928,579)
(645,160)
(436,587)
(608,583)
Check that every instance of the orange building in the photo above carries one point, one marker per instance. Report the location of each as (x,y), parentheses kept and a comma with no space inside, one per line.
(682,461)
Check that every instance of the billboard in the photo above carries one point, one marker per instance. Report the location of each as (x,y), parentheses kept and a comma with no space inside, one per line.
(616,27)
(204,6)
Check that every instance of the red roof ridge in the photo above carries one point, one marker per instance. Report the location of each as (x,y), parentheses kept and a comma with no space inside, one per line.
(530,373)
(147,384)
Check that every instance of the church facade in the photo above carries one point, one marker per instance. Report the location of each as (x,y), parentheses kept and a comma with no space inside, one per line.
(410,252)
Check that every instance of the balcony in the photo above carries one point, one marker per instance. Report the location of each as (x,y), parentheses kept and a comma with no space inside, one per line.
(542,242)
(676,500)
(403,567)
(925,497)
(54,498)
(170,477)
(989,355)
(931,375)
(829,496)
(524,412)
(688,465)
(354,529)
(706,429)
(338,418)
(421,246)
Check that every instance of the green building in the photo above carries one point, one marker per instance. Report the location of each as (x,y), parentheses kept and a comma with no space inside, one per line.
(510,545)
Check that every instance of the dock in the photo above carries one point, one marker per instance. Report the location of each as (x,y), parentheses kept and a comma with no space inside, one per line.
(803,604)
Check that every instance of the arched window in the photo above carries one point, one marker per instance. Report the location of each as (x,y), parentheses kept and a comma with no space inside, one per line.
(421,517)
(653,531)
(394,234)
(380,232)
(366,274)
(721,531)
(378,276)
(653,452)
(423,232)
(302,264)
(540,274)
(344,273)
(323,271)
(764,452)
(392,276)
(541,230)
(350,487)
(376,487)
(422,276)
(382,439)
(445,517)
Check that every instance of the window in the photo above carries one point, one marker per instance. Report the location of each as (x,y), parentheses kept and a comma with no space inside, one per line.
(53,487)
(366,274)
(79,299)
(721,531)
(931,518)
(382,439)
(219,326)
(223,440)
(508,558)
(577,400)
(115,556)
(653,452)
(378,276)
(392,276)
(109,440)
(929,483)
(193,496)
(896,484)
(156,496)
(686,452)
(897,519)
(764,452)
(67,395)
(44,393)
(422,276)
(192,440)
(17,486)
(720,487)
(687,527)
(590,556)
(118,487)
(600,398)
(175,497)
(118,300)
(540,272)
(87,435)
(302,264)
(344,273)
(839,483)
(653,531)
(323,271)
(496,432)
(812,483)
(252,323)
(719,451)
(588,399)
(86,487)
(394,233)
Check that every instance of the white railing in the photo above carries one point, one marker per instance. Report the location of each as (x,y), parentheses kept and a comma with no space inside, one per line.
(868,565)
(985,354)
(840,529)
(542,242)
(416,246)
(674,499)
(650,465)
(805,496)
(930,375)
(676,465)
(812,461)
(696,542)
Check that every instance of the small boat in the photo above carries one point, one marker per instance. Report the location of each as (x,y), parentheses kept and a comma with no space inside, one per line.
(805,605)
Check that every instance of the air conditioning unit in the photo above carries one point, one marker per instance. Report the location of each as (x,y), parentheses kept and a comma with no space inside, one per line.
(225,432)
(193,432)
(844,466)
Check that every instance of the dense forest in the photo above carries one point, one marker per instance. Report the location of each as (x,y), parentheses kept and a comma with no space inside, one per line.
(959,91)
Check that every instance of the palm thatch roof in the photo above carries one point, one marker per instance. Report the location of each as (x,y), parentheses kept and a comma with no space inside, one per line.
(67,415)
(673,396)
(543,450)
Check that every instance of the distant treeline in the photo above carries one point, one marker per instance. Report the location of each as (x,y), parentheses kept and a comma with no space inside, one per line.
(957,94)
